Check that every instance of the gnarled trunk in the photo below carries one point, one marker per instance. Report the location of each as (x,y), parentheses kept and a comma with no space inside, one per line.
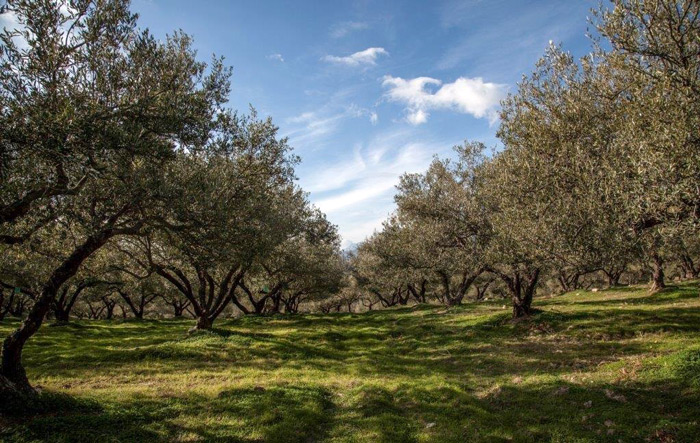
(418,294)
(454,298)
(568,282)
(657,275)
(204,323)
(211,298)
(482,288)
(522,285)
(690,271)
(11,368)
(109,307)
(61,315)
(614,275)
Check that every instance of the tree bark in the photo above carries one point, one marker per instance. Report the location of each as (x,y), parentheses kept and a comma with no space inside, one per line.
(109,307)
(481,290)
(418,294)
(204,323)
(461,291)
(688,267)
(63,306)
(614,275)
(522,286)
(657,275)
(568,282)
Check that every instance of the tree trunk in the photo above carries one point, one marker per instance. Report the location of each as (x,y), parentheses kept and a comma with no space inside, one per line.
(614,275)
(690,272)
(11,368)
(204,323)
(136,310)
(109,308)
(568,282)
(419,295)
(657,276)
(62,315)
(481,290)
(454,301)
(522,286)
(520,309)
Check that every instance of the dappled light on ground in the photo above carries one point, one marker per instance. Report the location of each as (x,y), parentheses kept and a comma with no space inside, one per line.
(607,366)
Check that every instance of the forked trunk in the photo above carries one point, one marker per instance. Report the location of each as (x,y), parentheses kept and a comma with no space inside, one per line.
(690,271)
(568,282)
(613,276)
(522,286)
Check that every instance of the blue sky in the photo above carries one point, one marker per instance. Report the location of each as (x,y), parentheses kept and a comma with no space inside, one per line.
(368,90)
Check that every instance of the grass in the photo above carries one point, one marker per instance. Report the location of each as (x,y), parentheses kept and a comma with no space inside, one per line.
(616,365)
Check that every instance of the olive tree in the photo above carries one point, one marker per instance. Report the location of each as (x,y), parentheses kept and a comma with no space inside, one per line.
(239,202)
(443,215)
(306,267)
(92,111)
(652,71)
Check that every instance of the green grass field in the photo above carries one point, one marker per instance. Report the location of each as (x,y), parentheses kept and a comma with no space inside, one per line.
(616,365)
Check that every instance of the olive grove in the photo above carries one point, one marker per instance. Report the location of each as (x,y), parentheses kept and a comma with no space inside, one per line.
(130,190)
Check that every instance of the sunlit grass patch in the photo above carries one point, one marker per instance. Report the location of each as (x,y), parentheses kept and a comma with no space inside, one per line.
(605,366)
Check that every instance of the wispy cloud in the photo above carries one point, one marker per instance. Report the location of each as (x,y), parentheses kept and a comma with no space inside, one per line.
(466,95)
(310,127)
(277,57)
(358,111)
(342,29)
(357,192)
(313,126)
(368,57)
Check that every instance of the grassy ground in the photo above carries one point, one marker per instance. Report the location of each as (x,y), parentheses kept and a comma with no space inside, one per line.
(617,365)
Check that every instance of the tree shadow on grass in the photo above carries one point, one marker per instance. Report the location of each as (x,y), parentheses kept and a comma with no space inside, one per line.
(407,412)
(368,346)
(275,414)
(543,412)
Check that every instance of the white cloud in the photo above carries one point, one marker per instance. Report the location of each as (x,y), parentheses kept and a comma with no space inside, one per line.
(357,189)
(417,117)
(367,57)
(277,57)
(466,95)
(357,111)
(10,23)
(311,127)
(342,29)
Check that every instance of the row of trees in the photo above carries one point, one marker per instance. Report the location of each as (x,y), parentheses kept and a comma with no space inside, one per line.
(127,182)
(599,172)
(124,173)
